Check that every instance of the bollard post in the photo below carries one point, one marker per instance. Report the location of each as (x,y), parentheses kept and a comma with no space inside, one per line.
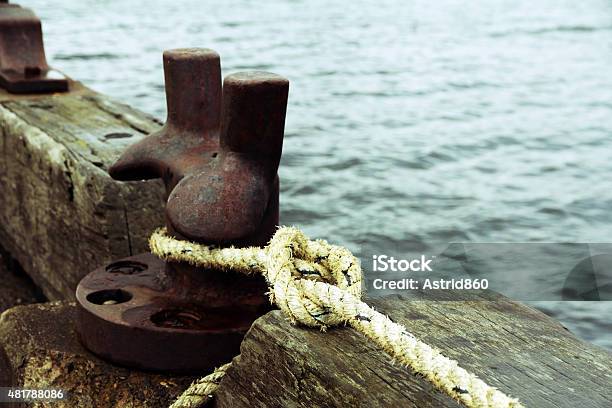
(218,155)
(23,65)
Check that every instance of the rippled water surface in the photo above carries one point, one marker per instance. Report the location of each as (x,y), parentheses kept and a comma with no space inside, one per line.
(408,121)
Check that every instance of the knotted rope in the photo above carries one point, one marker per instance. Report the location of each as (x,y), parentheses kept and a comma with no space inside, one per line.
(319,285)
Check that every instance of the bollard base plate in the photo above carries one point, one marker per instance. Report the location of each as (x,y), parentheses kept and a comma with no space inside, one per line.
(42,82)
(140,312)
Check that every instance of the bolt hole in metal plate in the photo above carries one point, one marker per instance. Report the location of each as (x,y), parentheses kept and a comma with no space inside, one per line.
(138,313)
(126,267)
(109,297)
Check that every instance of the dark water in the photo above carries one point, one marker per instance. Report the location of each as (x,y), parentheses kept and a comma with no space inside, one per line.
(417,121)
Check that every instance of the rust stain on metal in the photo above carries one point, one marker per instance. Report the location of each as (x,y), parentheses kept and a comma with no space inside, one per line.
(218,155)
(23,65)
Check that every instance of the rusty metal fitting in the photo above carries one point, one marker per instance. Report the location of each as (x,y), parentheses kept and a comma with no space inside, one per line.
(218,155)
(220,174)
(23,65)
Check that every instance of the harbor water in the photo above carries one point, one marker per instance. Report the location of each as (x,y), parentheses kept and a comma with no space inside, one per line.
(408,121)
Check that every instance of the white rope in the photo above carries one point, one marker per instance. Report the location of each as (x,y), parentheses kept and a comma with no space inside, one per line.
(202,390)
(319,285)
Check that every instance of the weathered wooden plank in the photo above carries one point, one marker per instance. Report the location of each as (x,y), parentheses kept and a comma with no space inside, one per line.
(511,346)
(61,215)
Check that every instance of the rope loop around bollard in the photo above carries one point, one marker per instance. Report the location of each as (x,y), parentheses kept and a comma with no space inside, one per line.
(317,284)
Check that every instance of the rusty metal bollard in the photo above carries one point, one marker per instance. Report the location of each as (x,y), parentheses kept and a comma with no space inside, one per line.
(218,155)
(23,65)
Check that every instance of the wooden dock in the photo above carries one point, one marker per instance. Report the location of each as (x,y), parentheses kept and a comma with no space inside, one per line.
(62,216)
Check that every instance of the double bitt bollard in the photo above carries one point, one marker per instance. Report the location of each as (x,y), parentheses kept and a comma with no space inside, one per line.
(218,155)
